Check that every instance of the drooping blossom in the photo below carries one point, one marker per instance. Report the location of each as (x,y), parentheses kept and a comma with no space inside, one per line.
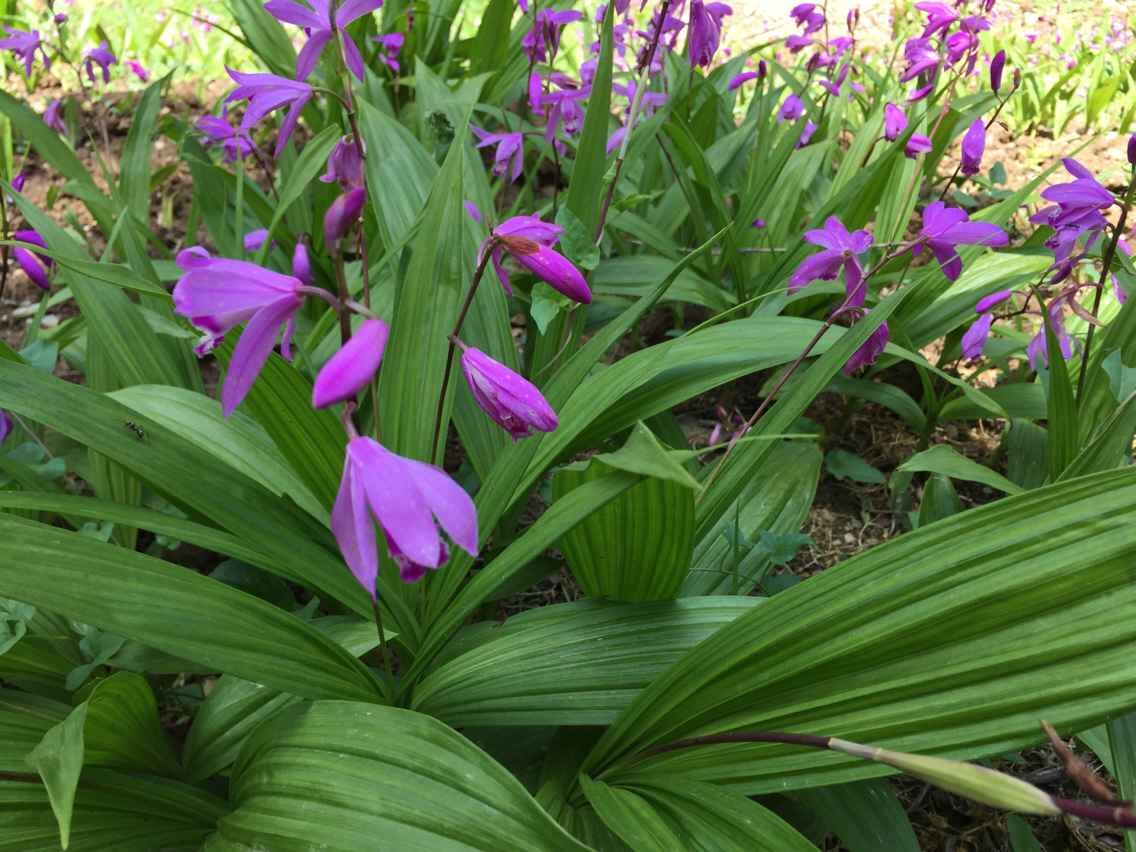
(138,70)
(217,294)
(974,340)
(1076,217)
(236,144)
(997,64)
(53,116)
(834,85)
(102,57)
(973,146)
(705,31)
(944,228)
(542,42)
(529,241)
(344,165)
(315,19)
(923,60)
(391,45)
(410,500)
(25,45)
(869,350)
(268,92)
(36,266)
(342,215)
(510,400)
(917,144)
(841,251)
(792,109)
(895,122)
(351,368)
(5,425)
(566,110)
(509,158)
(1037,350)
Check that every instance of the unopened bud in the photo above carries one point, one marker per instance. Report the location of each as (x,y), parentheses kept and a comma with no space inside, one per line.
(342,214)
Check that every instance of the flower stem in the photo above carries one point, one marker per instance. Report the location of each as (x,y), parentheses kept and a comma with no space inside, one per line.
(477,275)
(344,296)
(388,664)
(1106,266)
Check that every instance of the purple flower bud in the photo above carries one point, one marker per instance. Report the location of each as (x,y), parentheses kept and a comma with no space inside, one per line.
(141,73)
(254,240)
(53,116)
(351,368)
(18,182)
(917,145)
(973,146)
(35,265)
(974,341)
(871,349)
(530,241)
(342,214)
(741,79)
(344,165)
(5,425)
(997,64)
(757,223)
(302,264)
(993,300)
(895,122)
(60,18)
(510,400)
(762,69)
(1132,149)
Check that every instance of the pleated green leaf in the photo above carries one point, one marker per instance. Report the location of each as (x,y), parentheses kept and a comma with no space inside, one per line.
(134,177)
(952,640)
(866,816)
(349,776)
(571,664)
(631,818)
(946,460)
(174,610)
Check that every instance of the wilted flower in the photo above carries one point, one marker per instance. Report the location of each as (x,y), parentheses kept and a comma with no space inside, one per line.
(509,158)
(53,116)
(351,368)
(344,165)
(973,145)
(917,144)
(342,215)
(946,227)
(316,22)
(265,93)
(25,45)
(530,241)
(36,266)
(510,400)
(217,294)
(102,57)
(391,45)
(841,251)
(236,144)
(869,351)
(976,336)
(895,122)
(410,500)
(139,72)
(705,31)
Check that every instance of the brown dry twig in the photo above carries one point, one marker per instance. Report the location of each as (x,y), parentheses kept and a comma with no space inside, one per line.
(1080,772)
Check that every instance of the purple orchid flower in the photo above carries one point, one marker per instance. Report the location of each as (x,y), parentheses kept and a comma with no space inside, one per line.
(806,133)
(342,215)
(1078,201)
(1037,350)
(542,42)
(344,165)
(917,144)
(36,266)
(895,122)
(974,341)
(739,80)
(351,368)
(315,19)
(944,228)
(940,16)
(53,116)
(391,45)
(869,351)
(138,70)
(236,144)
(566,111)
(807,15)
(841,251)
(217,294)
(997,64)
(973,146)
(25,45)
(410,500)
(529,240)
(510,400)
(509,158)
(255,240)
(797,43)
(302,264)
(265,93)
(102,57)
(923,60)
(705,31)
(792,109)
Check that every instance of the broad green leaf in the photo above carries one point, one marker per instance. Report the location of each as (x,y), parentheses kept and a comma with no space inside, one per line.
(24,720)
(845,465)
(633,275)
(635,822)
(1024,443)
(1122,745)
(174,610)
(866,816)
(114,274)
(1061,410)
(950,641)
(1110,447)
(940,500)
(134,170)
(359,776)
(59,759)
(945,459)
(1019,399)
(730,559)
(570,664)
